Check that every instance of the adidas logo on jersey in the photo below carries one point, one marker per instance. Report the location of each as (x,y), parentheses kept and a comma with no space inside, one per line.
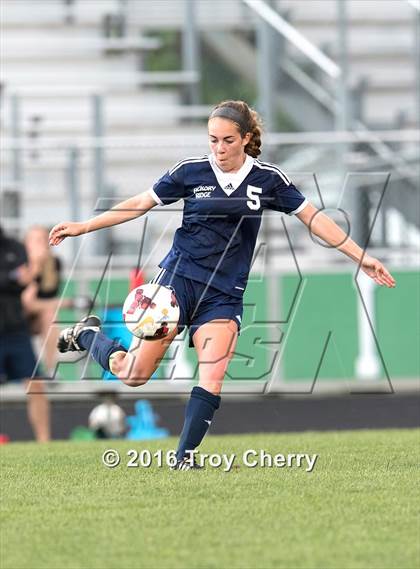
(203,191)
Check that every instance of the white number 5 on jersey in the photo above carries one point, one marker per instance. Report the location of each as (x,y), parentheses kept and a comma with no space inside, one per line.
(254,199)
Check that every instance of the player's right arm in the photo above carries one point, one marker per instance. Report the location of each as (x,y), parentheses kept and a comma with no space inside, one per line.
(125,211)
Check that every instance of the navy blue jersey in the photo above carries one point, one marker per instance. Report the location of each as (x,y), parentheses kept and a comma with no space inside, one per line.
(222,216)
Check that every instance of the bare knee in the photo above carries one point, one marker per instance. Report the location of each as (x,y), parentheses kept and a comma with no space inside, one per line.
(133,381)
(136,376)
(136,367)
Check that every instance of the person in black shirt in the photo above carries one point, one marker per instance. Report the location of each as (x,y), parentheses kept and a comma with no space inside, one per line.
(17,359)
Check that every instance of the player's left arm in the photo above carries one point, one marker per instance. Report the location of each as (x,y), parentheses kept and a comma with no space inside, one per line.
(324,227)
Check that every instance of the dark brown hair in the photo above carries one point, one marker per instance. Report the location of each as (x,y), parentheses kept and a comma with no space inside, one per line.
(246,119)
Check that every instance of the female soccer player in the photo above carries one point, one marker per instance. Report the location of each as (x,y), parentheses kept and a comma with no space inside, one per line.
(225,194)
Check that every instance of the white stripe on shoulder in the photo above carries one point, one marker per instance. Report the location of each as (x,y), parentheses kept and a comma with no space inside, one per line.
(273,168)
(154,195)
(300,208)
(191,160)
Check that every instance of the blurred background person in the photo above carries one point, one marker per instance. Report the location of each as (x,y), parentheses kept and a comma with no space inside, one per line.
(40,298)
(17,359)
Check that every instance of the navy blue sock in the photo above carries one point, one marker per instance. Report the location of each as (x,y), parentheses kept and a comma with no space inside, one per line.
(100,346)
(198,416)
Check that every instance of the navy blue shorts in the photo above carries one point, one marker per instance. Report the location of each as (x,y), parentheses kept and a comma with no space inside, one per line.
(17,358)
(198,305)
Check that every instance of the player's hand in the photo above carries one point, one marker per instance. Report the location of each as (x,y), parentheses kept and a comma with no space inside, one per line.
(376,271)
(66,229)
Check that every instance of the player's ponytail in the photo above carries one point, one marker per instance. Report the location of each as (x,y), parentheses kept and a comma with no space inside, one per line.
(253,148)
(246,119)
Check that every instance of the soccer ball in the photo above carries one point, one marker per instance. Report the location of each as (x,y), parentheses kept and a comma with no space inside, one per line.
(151,311)
(107,420)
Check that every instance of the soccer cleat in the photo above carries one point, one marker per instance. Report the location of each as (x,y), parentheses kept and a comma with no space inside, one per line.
(187,464)
(67,341)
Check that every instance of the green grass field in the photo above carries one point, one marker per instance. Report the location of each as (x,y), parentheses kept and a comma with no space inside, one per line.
(358,508)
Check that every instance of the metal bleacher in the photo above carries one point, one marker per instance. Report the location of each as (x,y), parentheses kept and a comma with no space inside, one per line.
(72,71)
(75,91)
(85,124)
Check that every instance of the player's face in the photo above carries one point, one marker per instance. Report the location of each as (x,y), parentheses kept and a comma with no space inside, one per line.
(227,144)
